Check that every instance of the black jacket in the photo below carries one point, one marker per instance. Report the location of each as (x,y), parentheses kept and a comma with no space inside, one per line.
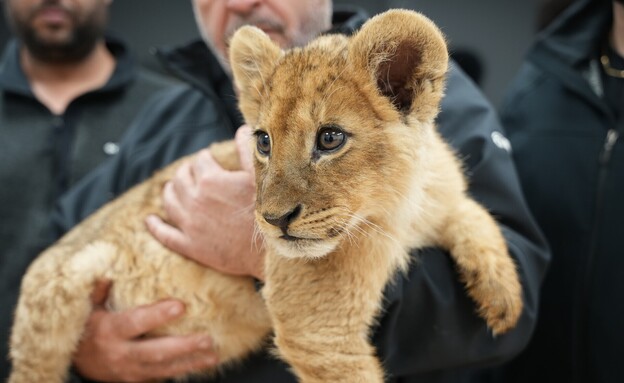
(572,170)
(43,154)
(429,332)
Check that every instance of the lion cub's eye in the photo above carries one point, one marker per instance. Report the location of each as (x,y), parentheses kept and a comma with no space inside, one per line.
(330,138)
(263,143)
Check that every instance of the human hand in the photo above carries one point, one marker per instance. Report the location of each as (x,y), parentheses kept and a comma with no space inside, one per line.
(111,349)
(211,216)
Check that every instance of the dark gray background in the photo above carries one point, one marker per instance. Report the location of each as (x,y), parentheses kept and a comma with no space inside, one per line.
(499,31)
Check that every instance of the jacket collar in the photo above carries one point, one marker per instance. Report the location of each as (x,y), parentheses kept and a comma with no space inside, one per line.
(567,49)
(13,79)
(196,64)
(573,37)
(193,63)
(346,20)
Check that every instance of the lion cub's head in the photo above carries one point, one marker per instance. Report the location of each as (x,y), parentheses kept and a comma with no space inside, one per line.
(339,127)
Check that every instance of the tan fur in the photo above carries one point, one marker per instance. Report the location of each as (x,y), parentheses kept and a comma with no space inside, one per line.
(394,185)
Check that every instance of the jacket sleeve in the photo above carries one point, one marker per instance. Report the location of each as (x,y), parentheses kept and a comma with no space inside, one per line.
(430,324)
(176,123)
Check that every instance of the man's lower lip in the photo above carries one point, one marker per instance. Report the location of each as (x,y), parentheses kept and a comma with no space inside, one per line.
(52,15)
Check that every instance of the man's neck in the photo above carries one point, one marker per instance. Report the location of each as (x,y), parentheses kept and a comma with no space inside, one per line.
(56,85)
(617,32)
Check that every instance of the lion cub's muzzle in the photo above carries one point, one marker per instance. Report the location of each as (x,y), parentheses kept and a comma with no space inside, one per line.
(282,221)
(299,232)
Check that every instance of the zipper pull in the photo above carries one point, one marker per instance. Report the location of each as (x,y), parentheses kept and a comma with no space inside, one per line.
(612,137)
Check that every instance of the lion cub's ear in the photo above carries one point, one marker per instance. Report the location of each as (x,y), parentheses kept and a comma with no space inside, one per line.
(405,55)
(253,57)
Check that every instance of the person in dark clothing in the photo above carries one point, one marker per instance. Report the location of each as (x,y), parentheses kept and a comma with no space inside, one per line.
(565,116)
(67,94)
(429,331)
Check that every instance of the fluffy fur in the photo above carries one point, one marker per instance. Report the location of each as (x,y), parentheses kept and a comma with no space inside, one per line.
(338,223)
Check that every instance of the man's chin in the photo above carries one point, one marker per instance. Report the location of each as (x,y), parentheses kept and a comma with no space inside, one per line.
(52,42)
(56,48)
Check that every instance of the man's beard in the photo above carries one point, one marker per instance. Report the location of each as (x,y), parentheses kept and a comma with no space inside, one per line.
(79,44)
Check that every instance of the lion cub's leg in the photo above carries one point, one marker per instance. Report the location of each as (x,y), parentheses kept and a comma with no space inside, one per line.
(479,250)
(52,310)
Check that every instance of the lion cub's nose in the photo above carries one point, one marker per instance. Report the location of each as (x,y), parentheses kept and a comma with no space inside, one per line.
(283,221)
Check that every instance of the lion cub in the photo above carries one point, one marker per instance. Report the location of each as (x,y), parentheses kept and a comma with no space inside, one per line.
(350,174)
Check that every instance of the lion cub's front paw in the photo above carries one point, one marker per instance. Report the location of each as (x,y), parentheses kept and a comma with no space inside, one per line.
(498,294)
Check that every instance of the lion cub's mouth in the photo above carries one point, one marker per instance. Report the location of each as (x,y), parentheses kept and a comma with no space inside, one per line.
(291,238)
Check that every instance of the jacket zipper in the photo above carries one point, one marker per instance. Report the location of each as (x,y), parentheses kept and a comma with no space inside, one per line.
(605,157)
(604,161)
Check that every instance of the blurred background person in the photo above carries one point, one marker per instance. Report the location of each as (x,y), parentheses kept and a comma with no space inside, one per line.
(564,115)
(67,94)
